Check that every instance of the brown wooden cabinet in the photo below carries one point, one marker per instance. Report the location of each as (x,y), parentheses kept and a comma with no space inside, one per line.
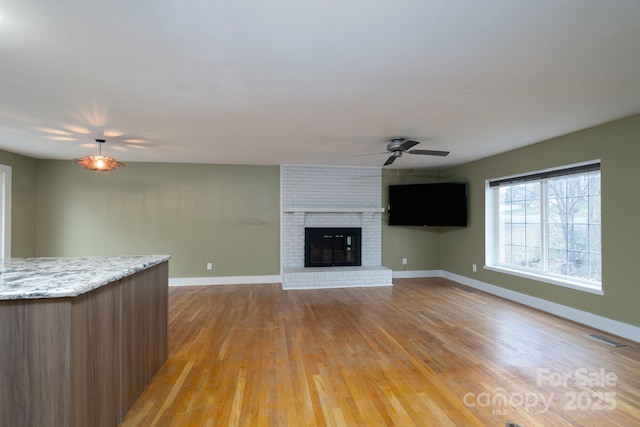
(83,361)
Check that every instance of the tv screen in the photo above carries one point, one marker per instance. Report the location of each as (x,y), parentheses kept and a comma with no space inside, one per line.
(442,204)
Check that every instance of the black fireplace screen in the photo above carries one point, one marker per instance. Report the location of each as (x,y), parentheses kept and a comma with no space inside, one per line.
(332,247)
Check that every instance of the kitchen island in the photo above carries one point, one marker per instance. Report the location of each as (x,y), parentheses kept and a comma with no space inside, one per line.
(80,338)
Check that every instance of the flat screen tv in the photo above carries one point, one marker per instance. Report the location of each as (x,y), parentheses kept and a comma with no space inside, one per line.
(442,204)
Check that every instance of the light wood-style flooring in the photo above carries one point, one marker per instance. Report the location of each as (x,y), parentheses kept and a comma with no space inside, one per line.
(424,352)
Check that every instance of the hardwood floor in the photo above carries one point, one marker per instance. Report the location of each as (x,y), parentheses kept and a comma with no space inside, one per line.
(424,352)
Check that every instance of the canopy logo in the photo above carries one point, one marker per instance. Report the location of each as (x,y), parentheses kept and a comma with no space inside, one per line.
(499,400)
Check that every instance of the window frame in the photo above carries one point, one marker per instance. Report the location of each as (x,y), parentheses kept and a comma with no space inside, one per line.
(492,227)
(5,211)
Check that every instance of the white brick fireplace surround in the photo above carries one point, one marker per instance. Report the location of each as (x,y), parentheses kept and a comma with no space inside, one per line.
(323,196)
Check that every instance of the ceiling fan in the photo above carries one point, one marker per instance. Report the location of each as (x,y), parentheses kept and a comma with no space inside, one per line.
(399,145)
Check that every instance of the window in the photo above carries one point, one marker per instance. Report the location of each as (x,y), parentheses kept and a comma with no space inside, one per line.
(546,226)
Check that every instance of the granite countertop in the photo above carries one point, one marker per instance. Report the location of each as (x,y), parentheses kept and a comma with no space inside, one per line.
(30,278)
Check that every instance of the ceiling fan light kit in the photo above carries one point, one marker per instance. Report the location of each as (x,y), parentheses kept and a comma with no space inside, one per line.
(99,163)
(399,145)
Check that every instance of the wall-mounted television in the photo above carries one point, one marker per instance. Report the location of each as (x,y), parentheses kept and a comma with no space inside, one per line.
(442,204)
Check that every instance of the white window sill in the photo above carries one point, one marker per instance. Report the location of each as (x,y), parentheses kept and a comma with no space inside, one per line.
(567,283)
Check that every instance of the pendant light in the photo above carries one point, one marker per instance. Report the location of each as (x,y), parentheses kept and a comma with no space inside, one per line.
(99,163)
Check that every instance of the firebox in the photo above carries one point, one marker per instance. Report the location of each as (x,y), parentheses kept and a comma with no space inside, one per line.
(332,247)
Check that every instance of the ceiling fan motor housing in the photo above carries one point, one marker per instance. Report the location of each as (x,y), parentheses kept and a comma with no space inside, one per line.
(396,144)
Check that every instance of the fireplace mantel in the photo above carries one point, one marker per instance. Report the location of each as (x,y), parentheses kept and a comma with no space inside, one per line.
(332,210)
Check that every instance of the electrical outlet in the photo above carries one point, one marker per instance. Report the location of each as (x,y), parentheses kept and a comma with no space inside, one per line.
(404,261)
(473,267)
(209,266)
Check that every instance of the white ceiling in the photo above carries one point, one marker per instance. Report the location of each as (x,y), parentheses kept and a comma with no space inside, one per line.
(310,82)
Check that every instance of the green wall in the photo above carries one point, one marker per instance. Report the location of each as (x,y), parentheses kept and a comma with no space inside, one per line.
(420,245)
(617,144)
(23,203)
(224,214)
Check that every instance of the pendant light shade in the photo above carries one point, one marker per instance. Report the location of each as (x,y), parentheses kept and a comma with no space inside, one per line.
(99,163)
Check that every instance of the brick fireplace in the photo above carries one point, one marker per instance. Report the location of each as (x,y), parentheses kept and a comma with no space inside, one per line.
(331,197)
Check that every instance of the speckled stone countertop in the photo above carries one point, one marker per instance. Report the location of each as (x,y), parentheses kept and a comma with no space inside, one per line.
(30,278)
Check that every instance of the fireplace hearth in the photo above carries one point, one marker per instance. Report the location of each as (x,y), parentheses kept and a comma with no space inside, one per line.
(332,247)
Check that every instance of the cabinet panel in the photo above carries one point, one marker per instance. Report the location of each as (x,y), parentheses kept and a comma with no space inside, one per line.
(95,357)
(34,369)
(144,330)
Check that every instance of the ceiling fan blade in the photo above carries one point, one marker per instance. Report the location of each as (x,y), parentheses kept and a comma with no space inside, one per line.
(430,152)
(408,144)
(369,154)
(390,160)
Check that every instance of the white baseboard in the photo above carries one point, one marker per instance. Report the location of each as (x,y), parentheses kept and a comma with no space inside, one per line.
(227,280)
(605,324)
(413,274)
